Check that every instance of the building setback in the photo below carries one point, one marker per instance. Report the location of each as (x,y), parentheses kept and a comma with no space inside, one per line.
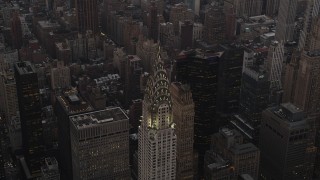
(157,139)
(292,153)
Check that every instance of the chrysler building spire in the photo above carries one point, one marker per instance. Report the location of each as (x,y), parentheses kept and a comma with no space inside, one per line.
(157,139)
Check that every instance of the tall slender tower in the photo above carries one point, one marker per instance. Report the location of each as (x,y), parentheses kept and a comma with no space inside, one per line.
(87,14)
(310,20)
(157,138)
(272,7)
(153,22)
(16,31)
(183,117)
(30,114)
(286,20)
(274,64)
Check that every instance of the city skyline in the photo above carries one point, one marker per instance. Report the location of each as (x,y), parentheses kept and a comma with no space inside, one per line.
(159,90)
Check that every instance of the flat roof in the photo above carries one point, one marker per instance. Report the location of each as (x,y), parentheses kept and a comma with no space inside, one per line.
(48,24)
(25,67)
(244,148)
(97,118)
(74,104)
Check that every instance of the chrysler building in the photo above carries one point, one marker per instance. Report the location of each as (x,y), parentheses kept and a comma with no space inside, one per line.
(157,138)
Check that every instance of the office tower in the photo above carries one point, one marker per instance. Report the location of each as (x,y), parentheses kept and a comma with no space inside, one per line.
(214,31)
(230,23)
(180,12)
(67,104)
(229,82)
(314,41)
(153,23)
(30,115)
(166,33)
(133,71)
(290,78)
(254,98)
(216,167)
(307,94)
(183,117)
(272,8)
(87,14)
(8,92)
(16,31)
(186,33)
(200,70)
(135,112)
(310,20)
(50,169)
(157,141)
(286,20)
(286,143)
(274,64)
(243,157)
(104,135)
(60,76)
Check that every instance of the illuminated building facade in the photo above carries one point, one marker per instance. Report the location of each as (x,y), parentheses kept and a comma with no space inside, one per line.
(157,139)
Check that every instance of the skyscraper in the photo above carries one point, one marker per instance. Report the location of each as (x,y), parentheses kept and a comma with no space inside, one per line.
(8,95)
(157,139)
(16,31)
(286,20)
(214,25)
(180,12)
(274,64)
(229,81)
(230,23)
(67,104)
(253,100)
(30,115)
(311,25)
(292,153)
(100,144)
(200,70)
(186,33)
(272,7)
(87,14)
(307,93)
(183,117)
(153,22)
